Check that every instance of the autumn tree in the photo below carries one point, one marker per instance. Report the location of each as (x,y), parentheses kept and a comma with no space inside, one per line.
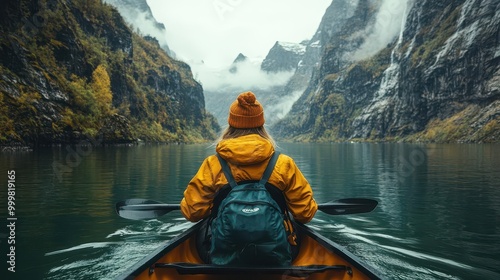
(101,86)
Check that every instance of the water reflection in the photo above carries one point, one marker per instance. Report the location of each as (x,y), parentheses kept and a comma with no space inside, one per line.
(438,214)
(438,205)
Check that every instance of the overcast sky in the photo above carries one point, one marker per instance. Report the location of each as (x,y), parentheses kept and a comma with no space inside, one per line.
(215,31)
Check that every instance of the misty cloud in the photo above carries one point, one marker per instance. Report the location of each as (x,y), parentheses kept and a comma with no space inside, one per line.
(216,31)
(143,22)
(281,108)
(248,76)
(146,26)
(387,26)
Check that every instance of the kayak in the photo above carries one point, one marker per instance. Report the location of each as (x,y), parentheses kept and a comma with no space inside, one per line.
(318,258)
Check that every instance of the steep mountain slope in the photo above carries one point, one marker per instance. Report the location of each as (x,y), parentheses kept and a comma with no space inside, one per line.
(437,80)
(284,56)
(341,19)
(74,70)
(138,14)
(241,58)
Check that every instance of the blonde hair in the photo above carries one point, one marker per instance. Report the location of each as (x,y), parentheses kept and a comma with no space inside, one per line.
(232,132)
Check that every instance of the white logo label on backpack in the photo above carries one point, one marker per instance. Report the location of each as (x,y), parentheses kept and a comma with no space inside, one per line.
(250,210)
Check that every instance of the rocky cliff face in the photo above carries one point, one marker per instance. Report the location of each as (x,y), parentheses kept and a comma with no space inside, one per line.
(300,89)
(339,22)
(138,14)
(438,79)
(283,57)
(74,70)
(241,58)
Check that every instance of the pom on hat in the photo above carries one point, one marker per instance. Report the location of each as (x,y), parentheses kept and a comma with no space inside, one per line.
(246,112)
(246,98)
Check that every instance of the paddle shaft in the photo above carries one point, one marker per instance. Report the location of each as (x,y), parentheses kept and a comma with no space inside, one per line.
(139,209)
(337,206)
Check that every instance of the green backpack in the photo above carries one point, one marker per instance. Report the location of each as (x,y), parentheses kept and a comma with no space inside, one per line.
(249,227)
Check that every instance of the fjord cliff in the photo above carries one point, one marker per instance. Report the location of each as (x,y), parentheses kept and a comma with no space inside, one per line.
(437,79)
(284,56)
(138,14)
(73,70)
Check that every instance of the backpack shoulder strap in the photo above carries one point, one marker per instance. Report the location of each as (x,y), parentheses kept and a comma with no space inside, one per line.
(227,171)
(265,176)
(269,168)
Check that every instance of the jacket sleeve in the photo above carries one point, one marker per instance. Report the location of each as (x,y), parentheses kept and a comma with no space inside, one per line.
(199,194)
(298,193)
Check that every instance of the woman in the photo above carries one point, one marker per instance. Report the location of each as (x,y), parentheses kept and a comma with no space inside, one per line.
(247,148)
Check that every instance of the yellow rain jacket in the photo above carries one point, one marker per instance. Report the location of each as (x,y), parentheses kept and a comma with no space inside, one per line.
(247,157)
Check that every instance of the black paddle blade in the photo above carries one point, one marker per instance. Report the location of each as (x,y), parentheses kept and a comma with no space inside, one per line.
(143,209)
(348,206)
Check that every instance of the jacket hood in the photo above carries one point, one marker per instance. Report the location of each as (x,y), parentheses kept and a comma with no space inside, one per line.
(245,150)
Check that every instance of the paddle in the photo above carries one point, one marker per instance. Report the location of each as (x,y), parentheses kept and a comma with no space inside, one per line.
(142,209)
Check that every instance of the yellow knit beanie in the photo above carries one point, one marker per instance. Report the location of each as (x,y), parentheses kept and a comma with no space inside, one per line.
(246,112)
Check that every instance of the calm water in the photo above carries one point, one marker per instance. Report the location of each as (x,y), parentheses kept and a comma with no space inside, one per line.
(438,217)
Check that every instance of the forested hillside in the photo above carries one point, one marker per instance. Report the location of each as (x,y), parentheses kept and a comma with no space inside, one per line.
(73,70)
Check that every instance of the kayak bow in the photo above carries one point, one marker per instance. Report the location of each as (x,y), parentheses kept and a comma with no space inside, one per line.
(318,258)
